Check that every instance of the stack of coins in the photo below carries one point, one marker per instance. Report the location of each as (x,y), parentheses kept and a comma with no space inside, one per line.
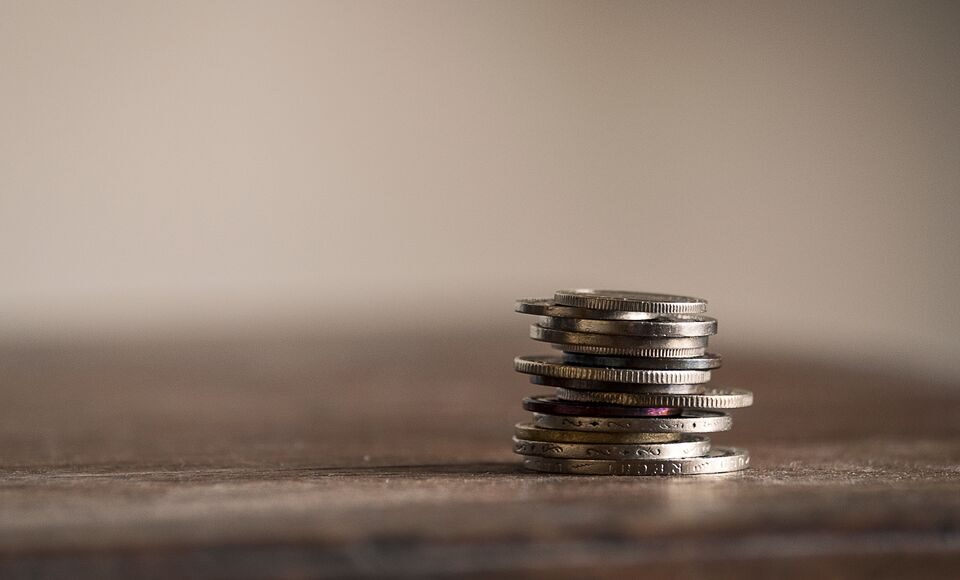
(631,395)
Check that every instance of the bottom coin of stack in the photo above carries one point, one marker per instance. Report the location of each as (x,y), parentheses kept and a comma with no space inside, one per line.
(631,395)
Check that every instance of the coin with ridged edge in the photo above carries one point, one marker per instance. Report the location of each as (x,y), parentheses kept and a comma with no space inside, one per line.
(711,398)
(705,362)
(555,367)
(719,460)
(689,446)
(547,307)
(629,300)
(631,352)
(617,387)
(668,326)
(690,421)
(554,406)
(540,333)
(531,432)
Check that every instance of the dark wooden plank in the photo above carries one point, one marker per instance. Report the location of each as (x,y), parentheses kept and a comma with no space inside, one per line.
(300,456)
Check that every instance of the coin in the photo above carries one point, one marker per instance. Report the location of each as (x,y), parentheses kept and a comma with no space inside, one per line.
(631,352)
(628,300)
(531,432)
(547,307)
(705,362)
(719,460)
(689,446)
(538,332)
(712,398)
(554,406)
(690,421)
(677,325)
(616,387)
(555,367)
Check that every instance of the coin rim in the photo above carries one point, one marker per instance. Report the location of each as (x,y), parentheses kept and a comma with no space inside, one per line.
(706,361)
(699,446)
(542,334)
(596,299)
(721,456)
(550,366)
(654,328)
(717,399)
(690,421)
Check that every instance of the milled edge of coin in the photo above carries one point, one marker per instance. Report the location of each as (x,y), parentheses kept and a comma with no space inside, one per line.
(542,334)
(658,327)
(531,432)
(691,446)
(707,361)
(547,307)
(554,406)
(690,421)
(579,385)
(719,460)
(629,300)
(712,398)
(555,367)
(631,352)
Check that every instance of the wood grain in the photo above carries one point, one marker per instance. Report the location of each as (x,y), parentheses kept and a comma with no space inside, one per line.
(309,456)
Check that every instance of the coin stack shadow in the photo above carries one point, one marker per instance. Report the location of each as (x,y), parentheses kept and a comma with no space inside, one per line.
(631,395)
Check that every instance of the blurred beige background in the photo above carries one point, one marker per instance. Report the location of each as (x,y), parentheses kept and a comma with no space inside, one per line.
(194,167)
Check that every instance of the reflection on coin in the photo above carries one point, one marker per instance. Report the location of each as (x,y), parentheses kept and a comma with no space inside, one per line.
(554,406)
(712,398)
(608,340)
(689,422)
(677,325)
(554,367)
(532,433)
(689,446)
(547,307)
(719,460)
(628,300)
(705,362)
(616,387)
(631,352)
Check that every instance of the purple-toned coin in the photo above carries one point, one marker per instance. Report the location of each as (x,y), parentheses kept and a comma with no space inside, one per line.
(554,406)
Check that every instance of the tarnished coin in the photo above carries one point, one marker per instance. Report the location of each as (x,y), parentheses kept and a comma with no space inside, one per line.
(616,387)
(555,367)
(547,307)
(690,421)
(628,300)
(689,446)
(631,352)
(719,460)
(554,406)
(669,326)
(705,362)
(531,432)
(538,332)
(712,398)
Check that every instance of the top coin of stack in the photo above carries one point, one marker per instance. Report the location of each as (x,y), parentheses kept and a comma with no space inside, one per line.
(631,387)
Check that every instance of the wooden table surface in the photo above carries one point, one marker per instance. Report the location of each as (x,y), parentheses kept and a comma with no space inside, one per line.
(299,456)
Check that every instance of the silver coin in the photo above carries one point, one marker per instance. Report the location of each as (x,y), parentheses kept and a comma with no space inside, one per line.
(629,300)
(631,352)
(689,446)
(673,326)
(540,333)
(705,362)
(711,398)
(555,367)
(547,307)
(616,387)
(690,421)
(719,460)
(531,432)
